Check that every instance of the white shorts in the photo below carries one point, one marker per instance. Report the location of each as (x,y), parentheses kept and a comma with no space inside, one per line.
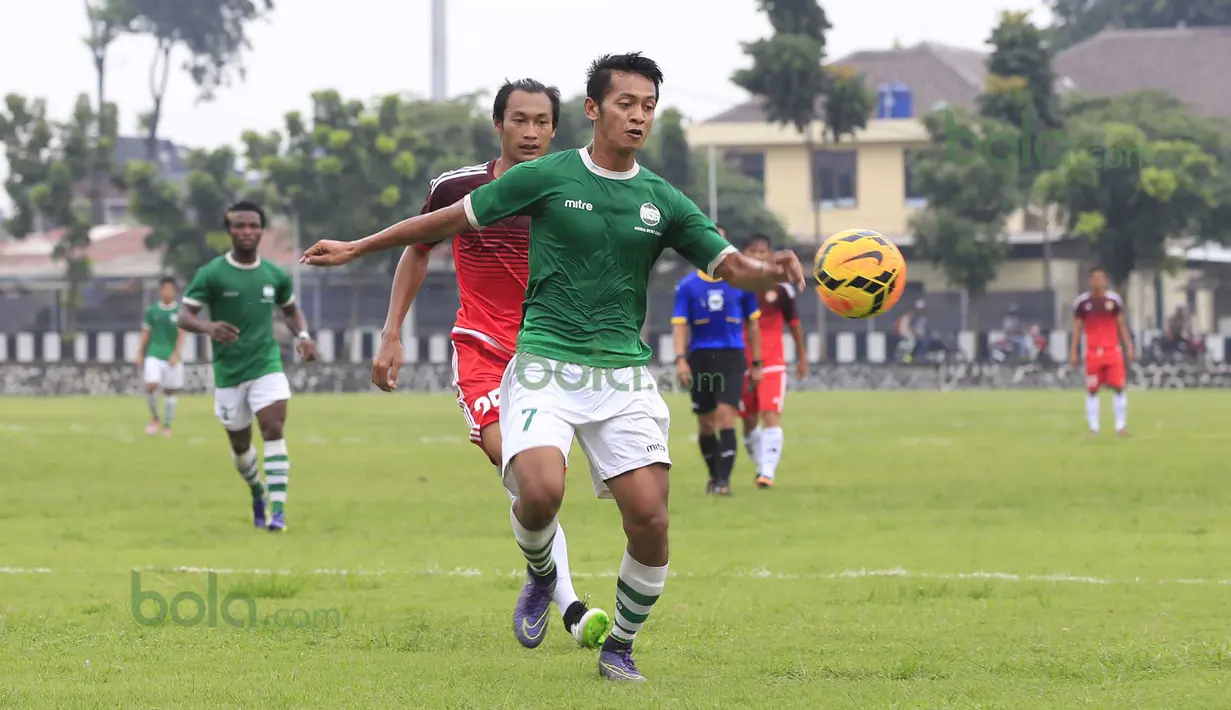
(235,406)
(160,372)
(618,416)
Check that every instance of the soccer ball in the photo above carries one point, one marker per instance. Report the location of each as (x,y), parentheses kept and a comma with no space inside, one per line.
(859,273)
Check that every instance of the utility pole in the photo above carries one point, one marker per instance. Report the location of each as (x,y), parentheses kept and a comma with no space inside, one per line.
(440,55)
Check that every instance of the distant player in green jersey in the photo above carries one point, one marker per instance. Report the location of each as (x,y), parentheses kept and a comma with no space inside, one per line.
(159,357)
(241,291)
(599,222)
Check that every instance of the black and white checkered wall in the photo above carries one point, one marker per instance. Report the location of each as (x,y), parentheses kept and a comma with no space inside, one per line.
(334,346)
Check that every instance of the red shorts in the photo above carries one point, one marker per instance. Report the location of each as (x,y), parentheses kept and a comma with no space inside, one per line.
(769,396)
(477,370)
(1105,369)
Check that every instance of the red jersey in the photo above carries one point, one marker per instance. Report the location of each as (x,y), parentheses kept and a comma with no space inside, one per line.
(1101,318)
(777,312)
(493,264)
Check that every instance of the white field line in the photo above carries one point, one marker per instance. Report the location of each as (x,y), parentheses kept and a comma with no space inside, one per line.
(896,573)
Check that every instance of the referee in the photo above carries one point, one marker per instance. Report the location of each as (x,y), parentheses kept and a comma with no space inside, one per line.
(713,313)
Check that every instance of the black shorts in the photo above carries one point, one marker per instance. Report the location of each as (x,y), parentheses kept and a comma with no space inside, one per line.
(717,378)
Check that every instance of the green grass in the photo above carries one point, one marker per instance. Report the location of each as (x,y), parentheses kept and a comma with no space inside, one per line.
(997,557)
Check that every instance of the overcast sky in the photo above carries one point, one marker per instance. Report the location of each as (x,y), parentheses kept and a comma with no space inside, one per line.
(364,48)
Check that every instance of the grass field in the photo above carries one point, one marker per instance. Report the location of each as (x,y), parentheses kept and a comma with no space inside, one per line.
(922,550)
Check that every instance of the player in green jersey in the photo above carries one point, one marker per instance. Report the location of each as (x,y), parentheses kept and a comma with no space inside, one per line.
(599,222)
(241,291)
(159,356)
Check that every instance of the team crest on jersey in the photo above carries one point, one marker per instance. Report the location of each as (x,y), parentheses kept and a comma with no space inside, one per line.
(267,293)
(1109,305)
(716,300)
(650,215)
(174,318)
(771,297)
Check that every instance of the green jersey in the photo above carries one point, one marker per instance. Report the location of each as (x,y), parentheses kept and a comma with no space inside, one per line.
(595,235)
(162,321)
(245,296)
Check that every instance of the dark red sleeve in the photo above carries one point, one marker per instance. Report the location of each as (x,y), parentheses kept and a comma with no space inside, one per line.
(436,199)
(1079,310)
(790,314)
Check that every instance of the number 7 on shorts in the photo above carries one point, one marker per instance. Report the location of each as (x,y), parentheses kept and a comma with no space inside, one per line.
(529,418)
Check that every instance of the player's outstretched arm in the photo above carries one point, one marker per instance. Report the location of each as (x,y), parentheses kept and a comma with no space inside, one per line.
(192,322)
(744,272)
(420,229)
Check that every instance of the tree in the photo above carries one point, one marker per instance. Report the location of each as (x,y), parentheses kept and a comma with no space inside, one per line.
(107,19)
(1077,20)
(48,164)
(214,34)
(1020,92)
(185,222)
(786,71)
(671,156)
(848,102)
(575,130)
(1130,196)
(741,201)
(970,191)
(27,136)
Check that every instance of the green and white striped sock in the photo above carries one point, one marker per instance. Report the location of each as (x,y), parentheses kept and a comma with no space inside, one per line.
(246,464)
(277,473)
(637,588)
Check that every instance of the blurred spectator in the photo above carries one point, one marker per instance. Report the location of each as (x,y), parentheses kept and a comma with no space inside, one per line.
(911,330)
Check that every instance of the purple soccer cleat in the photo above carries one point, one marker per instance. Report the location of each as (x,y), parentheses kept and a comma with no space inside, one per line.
(258,511)
(277,522)
(617,664)
(533,606)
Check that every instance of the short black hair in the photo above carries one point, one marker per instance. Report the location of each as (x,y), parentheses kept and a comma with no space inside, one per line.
(598,78)
(168,280)
(758,237)
(243,206)
(1095,269)
(530,86)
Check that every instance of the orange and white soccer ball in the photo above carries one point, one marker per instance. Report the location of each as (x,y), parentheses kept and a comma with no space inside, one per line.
(859,273)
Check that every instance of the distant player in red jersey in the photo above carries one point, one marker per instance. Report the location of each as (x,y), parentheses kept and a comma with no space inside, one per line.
(492,272)
(764,402)
(1099,313)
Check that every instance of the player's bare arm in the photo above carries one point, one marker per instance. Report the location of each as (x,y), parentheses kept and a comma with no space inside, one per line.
(744,272)
(679,334)
(1077,328)
(191,322)
(801,350)
(407,280)
(299,326)
(754,345)
(420,229)
(145,344)
(1125,337)
(175,354)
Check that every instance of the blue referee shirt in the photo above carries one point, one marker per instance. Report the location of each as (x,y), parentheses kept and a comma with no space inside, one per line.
(714,310)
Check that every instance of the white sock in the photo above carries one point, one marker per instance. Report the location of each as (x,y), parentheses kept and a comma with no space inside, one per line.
(771,451)
(637,588)
(170,403)
(564,594)
(1119,405)
(752,444)
(536,545)
(245,463)
(151,399)
(1092,413)
(277,473)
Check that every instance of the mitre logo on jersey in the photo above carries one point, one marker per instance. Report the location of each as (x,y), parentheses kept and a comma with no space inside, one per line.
(650,215)
(579,205)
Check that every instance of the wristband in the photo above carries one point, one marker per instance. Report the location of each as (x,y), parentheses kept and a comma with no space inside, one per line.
(680,357)
(303,335)
(757,363)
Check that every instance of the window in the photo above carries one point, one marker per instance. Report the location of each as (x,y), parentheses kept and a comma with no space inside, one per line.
(834,174)
(914,198)
(748,164)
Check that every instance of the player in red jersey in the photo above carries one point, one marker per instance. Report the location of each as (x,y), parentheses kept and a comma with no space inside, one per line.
(1099,313)
(492,273)
(764,402)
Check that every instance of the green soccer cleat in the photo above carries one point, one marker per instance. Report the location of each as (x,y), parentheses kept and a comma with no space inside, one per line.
(589,627)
